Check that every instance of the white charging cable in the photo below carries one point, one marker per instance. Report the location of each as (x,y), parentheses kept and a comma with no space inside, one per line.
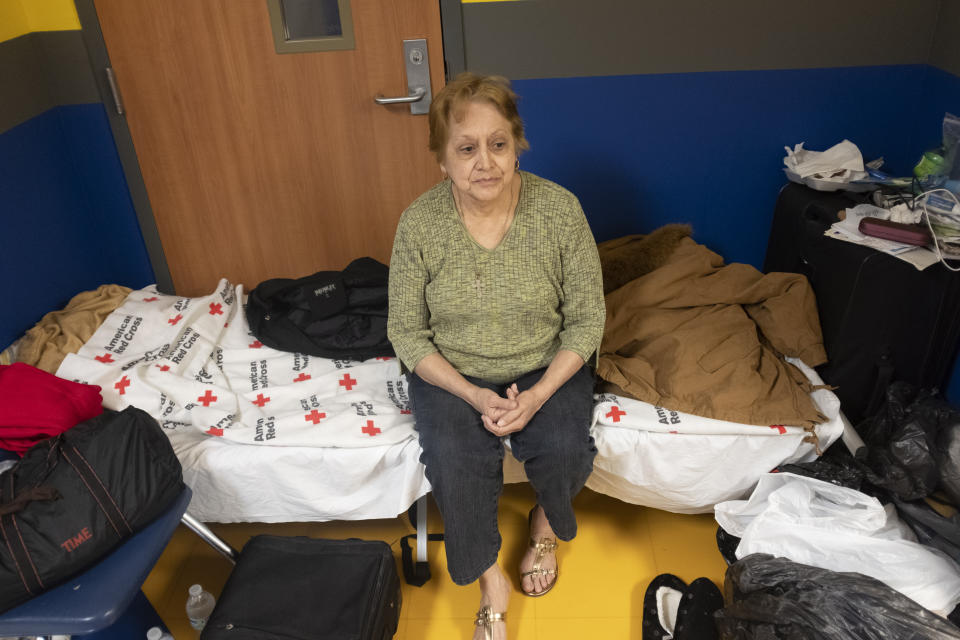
(922,199)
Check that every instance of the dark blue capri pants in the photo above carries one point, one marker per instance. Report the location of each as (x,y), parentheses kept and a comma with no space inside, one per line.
(464,463)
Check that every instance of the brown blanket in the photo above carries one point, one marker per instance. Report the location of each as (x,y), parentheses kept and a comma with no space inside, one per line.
(61,332)
(692,334)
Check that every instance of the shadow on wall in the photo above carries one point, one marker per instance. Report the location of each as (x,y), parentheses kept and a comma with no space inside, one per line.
(611,197)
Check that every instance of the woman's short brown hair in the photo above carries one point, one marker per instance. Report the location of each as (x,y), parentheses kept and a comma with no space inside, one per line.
(468,87)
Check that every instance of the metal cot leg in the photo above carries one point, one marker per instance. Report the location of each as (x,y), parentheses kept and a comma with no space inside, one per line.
(422,529)
(210,537)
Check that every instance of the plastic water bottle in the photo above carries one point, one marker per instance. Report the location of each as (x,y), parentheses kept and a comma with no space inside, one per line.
(199,606)
(156,633)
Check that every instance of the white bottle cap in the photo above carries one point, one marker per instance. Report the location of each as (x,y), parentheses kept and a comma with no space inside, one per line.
(154,633)
(195,590)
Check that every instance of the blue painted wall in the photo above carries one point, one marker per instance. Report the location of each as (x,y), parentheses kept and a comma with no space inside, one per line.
(939,94)
(68,223)
(642,151)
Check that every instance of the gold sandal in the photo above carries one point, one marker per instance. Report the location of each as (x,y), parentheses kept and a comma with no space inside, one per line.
(543,546)
(485,619)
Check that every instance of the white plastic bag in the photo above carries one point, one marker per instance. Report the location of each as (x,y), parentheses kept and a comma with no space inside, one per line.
(842,162)
(820,524)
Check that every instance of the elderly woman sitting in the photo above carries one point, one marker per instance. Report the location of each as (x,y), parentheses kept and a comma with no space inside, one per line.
(496,306)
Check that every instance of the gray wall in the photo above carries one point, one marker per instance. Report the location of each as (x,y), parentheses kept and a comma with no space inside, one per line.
(945,51)
(41,70)
(567,38)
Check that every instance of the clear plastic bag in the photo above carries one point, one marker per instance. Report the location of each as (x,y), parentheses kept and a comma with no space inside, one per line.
(951,144)
(773,598)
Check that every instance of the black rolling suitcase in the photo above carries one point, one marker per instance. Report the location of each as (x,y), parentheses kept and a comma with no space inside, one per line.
(296,588)
(882,319)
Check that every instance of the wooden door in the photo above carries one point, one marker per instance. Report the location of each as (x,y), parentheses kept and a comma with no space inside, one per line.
(261,165)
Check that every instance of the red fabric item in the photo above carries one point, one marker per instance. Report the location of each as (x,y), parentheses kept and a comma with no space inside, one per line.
(35,405)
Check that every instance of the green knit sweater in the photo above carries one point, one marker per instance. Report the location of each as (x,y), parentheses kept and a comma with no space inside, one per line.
(496,313)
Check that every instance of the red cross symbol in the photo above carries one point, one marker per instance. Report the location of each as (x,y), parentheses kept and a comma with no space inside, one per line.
(214,431)
(216,309)
(105,358)
(347,382)
(779,427)
(154,299)
(384,358)
(405,411)
(175,320)
(301,377)
(314,416)
(162,367)
(256,344)
(615,413)
(370,430)
(122,385)
(207,398)
(260,401)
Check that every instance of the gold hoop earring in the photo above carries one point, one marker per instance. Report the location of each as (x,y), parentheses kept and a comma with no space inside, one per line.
(517,167)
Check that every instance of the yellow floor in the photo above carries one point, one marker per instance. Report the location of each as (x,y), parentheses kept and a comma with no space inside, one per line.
(604,572)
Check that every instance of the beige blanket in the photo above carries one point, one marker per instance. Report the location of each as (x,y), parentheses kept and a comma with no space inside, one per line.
(61,332)
(692,334)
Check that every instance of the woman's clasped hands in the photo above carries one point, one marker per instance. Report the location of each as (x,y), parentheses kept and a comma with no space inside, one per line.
(503,416)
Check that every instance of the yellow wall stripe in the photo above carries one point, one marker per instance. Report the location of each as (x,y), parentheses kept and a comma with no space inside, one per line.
(19,17)
(13,20)
(51,15)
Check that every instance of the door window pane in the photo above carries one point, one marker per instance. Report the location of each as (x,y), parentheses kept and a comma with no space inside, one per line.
(301,26)
(308,19)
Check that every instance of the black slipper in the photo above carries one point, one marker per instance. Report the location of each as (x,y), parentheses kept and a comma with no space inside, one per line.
(695,617)
(652,629)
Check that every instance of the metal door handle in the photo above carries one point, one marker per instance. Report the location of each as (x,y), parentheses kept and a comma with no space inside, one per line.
(416,96)
(417,65)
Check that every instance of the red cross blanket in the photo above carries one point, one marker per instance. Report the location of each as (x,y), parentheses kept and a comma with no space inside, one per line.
(193,363)
(619,411)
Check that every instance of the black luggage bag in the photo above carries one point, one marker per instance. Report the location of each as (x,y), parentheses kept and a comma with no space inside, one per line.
(297,588)
(71,499)
(882,319)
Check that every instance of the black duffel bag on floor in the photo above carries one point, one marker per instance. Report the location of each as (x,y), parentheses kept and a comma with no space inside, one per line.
(297,588)
(331,314)
(73,498)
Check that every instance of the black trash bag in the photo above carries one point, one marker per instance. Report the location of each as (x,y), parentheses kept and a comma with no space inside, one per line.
(948,455)
(901,442)
(775,599)
(727,543)
(842,471)
(931,528)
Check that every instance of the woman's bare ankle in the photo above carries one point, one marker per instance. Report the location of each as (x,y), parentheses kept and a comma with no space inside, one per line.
(539,523)
(495,588)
